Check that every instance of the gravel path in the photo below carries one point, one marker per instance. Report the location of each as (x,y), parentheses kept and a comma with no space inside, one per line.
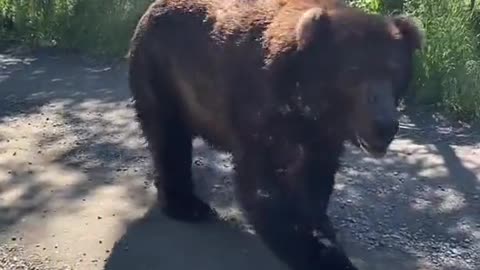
(75,190)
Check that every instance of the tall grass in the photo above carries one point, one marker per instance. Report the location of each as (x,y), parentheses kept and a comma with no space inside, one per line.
(448,73)
(98,26)
(448,70)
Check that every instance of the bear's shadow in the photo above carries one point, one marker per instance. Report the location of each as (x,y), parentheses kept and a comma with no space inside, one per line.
(157,242)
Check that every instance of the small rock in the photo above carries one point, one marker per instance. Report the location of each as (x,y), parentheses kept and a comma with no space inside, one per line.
(99,217)
(14,238)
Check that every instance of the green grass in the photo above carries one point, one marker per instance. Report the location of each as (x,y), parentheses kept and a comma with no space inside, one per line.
(96,26)
(447,72)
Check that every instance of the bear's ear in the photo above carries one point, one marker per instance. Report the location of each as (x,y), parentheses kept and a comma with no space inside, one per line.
(411,31)
(313,24)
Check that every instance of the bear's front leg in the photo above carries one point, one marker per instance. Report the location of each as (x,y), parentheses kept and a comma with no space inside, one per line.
(282,215)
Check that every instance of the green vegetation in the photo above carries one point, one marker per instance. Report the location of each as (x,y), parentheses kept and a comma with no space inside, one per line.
(448,70)
(94,26)
(449,73)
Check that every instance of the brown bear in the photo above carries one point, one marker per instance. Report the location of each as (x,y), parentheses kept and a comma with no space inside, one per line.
(282,85)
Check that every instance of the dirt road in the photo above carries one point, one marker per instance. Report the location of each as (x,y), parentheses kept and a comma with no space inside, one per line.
(76,193)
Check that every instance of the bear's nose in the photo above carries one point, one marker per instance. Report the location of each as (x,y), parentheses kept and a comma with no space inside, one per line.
(386,129)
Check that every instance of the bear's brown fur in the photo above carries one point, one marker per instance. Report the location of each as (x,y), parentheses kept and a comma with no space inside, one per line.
(281,84)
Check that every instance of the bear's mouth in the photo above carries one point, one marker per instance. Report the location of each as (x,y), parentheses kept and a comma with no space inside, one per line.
(377,149)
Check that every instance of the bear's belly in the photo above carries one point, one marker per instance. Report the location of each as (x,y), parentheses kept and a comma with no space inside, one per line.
(206,111)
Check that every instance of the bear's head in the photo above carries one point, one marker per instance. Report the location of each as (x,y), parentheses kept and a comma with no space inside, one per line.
(356,65)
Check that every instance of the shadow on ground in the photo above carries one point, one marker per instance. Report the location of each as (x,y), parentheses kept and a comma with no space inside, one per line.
(155,242)
(69,147)
(61,117)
